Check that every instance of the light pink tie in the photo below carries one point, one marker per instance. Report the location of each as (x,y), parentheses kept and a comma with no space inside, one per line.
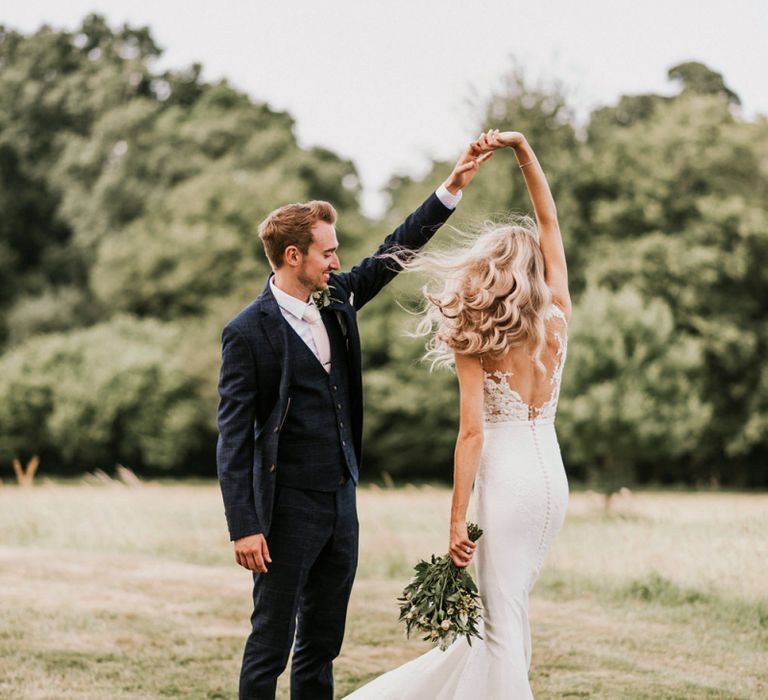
(319,334)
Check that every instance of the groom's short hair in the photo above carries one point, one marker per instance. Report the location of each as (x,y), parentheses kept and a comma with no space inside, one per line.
(292,225)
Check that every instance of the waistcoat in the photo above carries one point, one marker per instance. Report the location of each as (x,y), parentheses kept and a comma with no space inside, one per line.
(315,448)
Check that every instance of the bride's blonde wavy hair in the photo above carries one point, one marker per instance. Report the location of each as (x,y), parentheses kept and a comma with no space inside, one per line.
(491,294)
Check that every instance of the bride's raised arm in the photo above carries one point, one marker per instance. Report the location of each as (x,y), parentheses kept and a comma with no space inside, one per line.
(550,240)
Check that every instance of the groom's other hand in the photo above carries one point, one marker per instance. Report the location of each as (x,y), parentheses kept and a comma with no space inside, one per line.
(467,166)
(252,553)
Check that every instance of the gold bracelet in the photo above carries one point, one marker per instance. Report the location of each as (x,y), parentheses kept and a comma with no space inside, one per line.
(522,165)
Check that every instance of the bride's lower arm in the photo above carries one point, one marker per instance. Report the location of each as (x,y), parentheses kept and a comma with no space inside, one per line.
(469,445)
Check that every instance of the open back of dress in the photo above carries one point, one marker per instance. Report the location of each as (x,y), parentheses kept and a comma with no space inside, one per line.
(516,389)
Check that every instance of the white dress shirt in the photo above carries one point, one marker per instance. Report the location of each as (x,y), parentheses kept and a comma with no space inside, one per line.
(293,308)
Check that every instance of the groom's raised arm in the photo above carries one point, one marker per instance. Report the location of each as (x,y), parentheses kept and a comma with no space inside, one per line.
(366,279)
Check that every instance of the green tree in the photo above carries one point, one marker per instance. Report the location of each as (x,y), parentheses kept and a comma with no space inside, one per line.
(695,77)
(675,203)
(632,409)
(54,85)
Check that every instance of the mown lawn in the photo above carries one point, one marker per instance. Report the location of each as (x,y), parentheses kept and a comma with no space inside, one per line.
(111,591)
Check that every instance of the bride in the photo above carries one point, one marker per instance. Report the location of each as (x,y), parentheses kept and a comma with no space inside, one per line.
(501,318)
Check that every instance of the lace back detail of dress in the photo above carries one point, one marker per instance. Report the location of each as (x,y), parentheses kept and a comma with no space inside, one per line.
(516,390)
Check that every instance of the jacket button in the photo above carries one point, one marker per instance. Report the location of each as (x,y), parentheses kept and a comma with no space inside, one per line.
(272,468)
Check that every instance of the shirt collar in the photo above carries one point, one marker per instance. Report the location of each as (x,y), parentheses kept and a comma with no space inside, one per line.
(288,303)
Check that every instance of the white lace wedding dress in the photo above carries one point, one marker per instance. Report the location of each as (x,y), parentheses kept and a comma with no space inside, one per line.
(520,499)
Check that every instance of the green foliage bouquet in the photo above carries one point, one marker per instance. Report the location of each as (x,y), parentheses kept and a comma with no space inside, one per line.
(442,601)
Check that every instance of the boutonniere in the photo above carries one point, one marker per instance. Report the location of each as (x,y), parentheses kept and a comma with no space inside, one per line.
(323,297)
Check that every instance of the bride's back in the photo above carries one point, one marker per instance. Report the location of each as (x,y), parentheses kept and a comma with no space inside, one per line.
(515,388)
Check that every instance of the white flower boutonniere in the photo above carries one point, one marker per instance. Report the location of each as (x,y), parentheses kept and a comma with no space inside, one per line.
(323,297)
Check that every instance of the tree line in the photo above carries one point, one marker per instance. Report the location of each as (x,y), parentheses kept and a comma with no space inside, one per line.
(130,200)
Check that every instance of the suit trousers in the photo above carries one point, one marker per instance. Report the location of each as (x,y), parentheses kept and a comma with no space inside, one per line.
(313,543)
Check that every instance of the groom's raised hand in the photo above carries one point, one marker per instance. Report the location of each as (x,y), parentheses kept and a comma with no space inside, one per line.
(468,164)
(252,553)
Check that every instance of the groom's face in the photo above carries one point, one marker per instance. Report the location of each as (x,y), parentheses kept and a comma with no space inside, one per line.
(321,258)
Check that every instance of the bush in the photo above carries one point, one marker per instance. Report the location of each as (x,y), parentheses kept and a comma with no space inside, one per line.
(112,393)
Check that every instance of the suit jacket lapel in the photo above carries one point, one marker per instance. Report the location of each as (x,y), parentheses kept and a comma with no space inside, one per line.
(345,315)
(343,312)
(274,324)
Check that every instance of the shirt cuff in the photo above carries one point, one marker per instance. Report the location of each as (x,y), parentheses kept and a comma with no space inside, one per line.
(448,200)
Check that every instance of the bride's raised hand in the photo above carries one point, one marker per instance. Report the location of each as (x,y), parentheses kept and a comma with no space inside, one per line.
(504,139)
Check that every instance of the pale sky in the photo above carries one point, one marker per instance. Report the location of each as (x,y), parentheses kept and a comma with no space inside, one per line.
(392,84)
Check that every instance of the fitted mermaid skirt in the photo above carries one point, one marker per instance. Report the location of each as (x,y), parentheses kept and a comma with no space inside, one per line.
(520,500)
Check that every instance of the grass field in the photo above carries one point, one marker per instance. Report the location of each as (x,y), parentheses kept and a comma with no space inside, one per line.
(112,592)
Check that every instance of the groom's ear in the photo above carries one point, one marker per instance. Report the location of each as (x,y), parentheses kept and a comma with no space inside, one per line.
(292,256)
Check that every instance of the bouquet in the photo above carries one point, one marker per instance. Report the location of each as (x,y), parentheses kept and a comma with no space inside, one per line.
(442,601)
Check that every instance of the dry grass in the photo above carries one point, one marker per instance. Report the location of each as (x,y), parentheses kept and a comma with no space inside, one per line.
(111,591)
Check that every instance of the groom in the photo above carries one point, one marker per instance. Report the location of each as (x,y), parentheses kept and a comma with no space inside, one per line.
(290,429)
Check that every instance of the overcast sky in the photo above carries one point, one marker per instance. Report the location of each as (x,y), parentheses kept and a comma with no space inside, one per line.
(392,84)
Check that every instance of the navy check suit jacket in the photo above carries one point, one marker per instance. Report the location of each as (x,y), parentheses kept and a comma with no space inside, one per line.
(254,383)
